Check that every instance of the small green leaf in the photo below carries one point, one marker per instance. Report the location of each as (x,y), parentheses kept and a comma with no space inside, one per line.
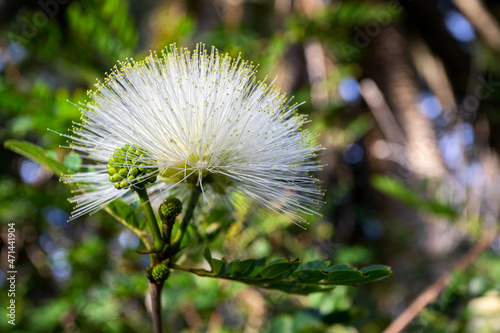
(368,269)
(279,271)
(344,277)
(364,275)
(376,272)
(315,264)
(242,268)
(309,275)
(339,268)
(37,154)
(126,213)
(218,266)
(208,256)
(399,191)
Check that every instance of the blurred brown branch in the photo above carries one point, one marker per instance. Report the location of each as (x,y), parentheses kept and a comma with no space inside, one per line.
(486,25)
(431,68)
(432,292)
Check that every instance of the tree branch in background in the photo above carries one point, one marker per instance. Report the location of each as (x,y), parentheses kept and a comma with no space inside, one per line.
(431,68)
(485,24)
(432,292)
(395,76)
(380,110)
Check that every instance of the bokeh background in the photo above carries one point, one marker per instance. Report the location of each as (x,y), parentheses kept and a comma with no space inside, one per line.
(404,96)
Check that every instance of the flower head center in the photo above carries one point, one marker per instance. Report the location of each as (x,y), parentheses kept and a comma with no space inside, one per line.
(202,166)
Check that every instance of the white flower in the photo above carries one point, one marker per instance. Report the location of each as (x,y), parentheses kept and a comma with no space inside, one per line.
(201,118)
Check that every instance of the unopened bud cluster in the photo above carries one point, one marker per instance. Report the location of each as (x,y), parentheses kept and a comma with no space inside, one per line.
(160,272)
(128,167)
(170,208)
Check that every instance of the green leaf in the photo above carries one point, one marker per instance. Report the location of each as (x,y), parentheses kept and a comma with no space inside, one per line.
(279,271)
(344,277)
(397,190)
(39,155)
(376,272)
(285,276)
(309,275)
(125,212)
(218,266)
(315,264)
(339,268)
(368,269)
(208,256)
(242,268)
(350,277)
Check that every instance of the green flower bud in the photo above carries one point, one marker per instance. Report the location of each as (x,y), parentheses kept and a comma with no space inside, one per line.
(170,208)
(129,166)
(160,272)
(123,172)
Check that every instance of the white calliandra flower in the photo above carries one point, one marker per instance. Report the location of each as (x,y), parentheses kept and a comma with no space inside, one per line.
(195,119)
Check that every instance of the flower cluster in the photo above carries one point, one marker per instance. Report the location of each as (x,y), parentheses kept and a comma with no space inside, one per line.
(130,166)
(194,119)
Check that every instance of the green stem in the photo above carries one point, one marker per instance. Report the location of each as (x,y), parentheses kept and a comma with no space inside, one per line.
(158,241)
(188,215)
(168,232)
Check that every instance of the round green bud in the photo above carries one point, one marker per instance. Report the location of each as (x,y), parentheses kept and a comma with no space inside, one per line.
(170,208)
(123,172)
(160,272)
(129,166)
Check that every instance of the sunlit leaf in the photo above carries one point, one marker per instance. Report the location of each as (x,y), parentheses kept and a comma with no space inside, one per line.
(398,191)
(37,154)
